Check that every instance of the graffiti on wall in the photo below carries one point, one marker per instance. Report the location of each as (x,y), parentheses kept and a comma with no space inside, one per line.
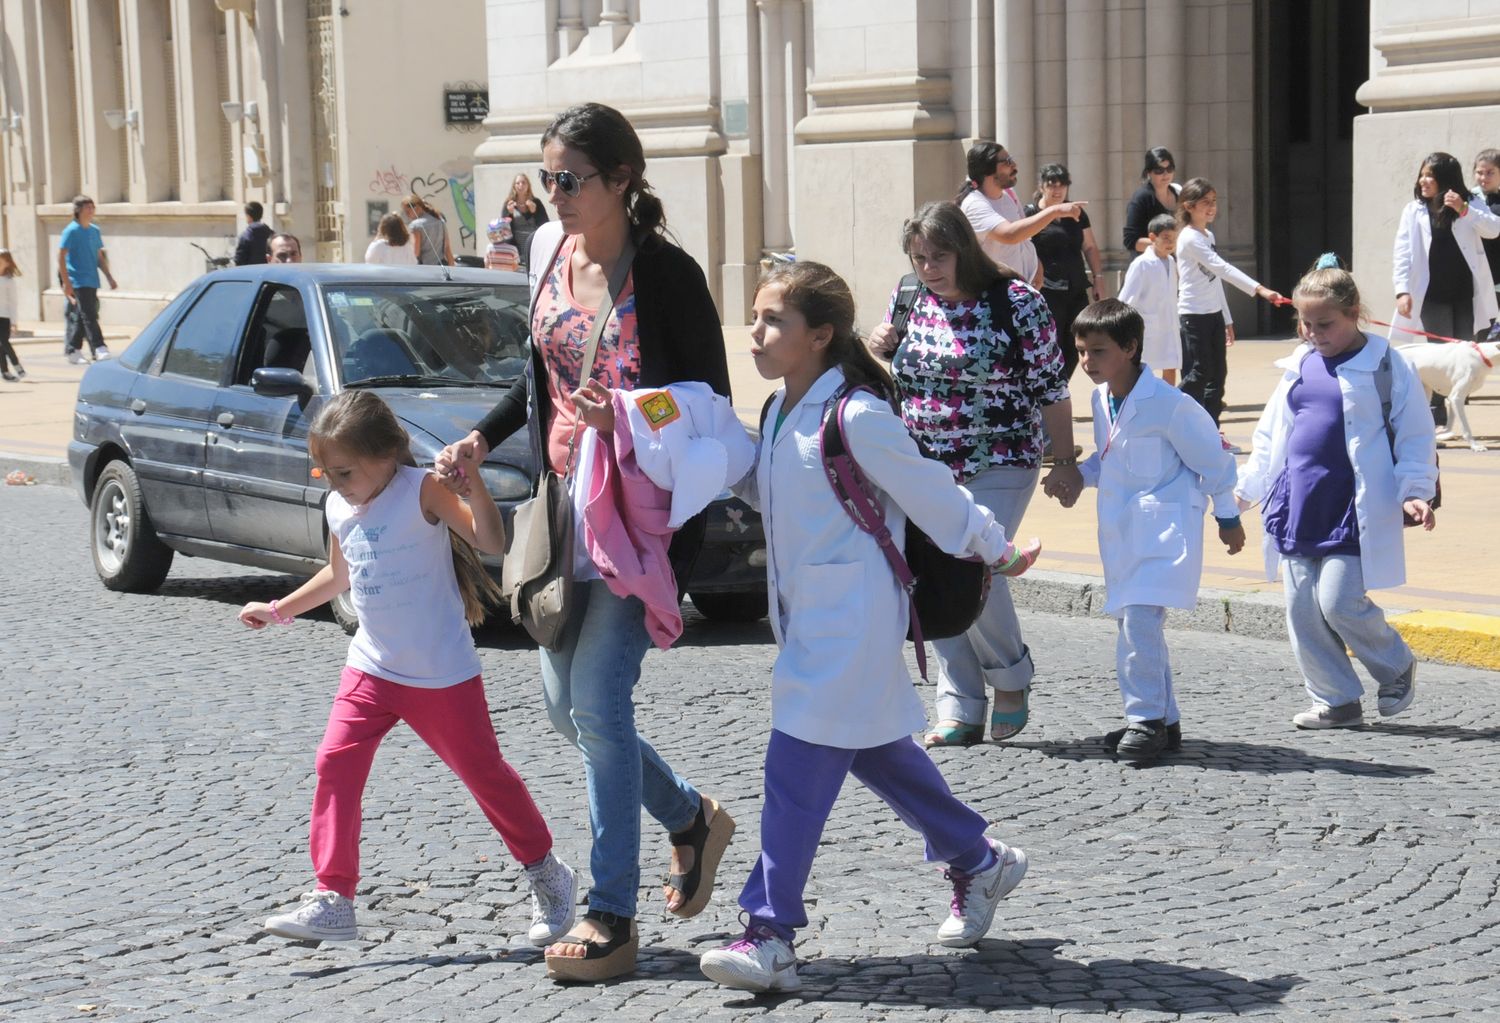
(448,190)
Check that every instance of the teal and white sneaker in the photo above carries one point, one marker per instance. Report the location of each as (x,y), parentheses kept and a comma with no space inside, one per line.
(975,896)
(320,916)
(761,961)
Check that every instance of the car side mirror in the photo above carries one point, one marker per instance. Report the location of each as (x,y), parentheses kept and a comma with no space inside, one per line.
(277,382)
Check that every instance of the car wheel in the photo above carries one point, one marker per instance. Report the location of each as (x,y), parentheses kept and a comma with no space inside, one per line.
(128,555)
(342,607)
(731,607)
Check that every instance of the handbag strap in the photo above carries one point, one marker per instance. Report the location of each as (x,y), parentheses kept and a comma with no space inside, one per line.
(617,277)
(852,488)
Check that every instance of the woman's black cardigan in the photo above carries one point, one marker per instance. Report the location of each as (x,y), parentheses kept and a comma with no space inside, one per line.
(680,339)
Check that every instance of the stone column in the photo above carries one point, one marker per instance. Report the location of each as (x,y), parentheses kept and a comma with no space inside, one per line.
(569,26)
(97,89)
(1166,75)
(1087,127)
(1015,93)
(54,112)
(153,178)
(195,30)
(782,84)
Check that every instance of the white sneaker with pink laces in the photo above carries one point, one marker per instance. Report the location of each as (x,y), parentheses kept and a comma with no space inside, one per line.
(760,962)
(975,896)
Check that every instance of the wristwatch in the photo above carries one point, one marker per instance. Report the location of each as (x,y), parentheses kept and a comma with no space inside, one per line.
(1064,462)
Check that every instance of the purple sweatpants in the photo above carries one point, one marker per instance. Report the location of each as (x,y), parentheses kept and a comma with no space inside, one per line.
(803,781)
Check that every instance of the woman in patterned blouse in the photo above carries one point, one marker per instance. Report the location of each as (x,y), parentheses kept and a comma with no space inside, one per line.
(980,375)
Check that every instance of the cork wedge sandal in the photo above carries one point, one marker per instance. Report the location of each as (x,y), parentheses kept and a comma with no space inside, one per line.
(708,838)
(601,960)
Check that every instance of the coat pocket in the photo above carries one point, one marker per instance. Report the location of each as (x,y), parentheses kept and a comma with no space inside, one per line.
(1157,530)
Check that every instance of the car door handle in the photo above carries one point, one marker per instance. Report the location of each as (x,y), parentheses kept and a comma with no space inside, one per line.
(226,419)
(138,406)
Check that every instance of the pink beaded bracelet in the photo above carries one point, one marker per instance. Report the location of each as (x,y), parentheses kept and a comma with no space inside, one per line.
(279,617)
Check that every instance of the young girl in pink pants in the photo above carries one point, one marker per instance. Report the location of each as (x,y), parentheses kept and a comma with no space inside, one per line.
(406,552)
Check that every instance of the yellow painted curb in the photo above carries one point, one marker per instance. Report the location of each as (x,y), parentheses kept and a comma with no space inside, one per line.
(1454,637)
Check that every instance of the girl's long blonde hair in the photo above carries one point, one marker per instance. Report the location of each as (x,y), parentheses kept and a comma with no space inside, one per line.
(361,424)
(15,268)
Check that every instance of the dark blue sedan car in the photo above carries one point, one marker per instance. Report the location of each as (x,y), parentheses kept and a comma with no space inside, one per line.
(194,440)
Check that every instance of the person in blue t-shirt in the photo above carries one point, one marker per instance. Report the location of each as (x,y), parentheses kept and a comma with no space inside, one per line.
(80,260)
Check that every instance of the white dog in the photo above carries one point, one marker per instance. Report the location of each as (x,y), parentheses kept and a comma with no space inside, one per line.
(1455,371)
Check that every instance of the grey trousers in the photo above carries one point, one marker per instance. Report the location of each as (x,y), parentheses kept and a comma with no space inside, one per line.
(1327,610)
(992,654)
(1142,666)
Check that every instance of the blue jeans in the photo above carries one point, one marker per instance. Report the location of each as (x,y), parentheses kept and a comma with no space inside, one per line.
(587,685)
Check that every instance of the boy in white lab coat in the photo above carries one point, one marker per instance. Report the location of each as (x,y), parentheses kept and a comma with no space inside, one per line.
(1157,462)
(1151,288)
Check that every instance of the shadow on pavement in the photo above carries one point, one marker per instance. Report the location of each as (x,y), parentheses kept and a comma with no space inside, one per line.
(1455,732)
(1221,755)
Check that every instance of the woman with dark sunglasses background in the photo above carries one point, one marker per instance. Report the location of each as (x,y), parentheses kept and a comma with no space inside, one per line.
(1157,195)
(663,329)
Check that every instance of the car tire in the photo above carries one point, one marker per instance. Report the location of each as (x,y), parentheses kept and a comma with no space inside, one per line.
(731,607)
(128,555)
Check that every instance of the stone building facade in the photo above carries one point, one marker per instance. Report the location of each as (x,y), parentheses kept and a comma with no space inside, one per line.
(172,114)
(816,126)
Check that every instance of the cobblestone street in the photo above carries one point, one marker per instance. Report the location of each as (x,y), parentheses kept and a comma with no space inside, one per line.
(157,764)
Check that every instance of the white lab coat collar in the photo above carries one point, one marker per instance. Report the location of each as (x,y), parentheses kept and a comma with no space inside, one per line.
(1367,360)
(822,389)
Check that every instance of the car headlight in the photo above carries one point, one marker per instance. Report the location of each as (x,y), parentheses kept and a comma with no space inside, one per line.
(506,482)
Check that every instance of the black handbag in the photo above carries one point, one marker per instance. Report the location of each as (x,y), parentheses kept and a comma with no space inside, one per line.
(946,591)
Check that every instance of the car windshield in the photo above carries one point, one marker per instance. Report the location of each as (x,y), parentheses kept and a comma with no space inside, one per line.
(459,335)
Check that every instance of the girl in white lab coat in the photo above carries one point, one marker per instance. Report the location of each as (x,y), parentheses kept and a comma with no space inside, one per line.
(842,701)
(1333,469)
(1157,462)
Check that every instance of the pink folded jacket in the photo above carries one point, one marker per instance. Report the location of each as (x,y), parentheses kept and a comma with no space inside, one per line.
(625,528)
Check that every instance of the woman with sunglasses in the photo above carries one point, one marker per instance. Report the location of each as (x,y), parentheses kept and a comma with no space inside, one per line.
(1072,268)
(526,214)
(1157,195)
(663,329)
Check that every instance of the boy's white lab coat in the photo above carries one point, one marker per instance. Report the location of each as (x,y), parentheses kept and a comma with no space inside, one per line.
(1156,467)
(1380,487)
(1151,289)
(838,613)
(1409,264)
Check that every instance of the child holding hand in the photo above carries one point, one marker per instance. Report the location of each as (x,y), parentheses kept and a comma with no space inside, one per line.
(842,700)
(1157,462)
(1343,448)
(405,548)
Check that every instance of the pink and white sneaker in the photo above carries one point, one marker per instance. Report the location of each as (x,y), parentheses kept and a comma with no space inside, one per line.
(975,896)
(760,962)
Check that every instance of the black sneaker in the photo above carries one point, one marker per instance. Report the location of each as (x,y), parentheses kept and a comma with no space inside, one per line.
(1174,738)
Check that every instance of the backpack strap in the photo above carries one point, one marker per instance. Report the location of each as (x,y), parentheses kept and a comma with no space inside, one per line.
(765,410)
(854,492)
(1383,388)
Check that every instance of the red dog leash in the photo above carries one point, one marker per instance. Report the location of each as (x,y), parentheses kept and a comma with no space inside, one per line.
(1439,337)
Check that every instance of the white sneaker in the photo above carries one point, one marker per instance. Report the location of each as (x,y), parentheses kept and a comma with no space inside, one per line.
(554,900)
(975,896)
(759,962)
(101,353)
(77,358)
(319,916)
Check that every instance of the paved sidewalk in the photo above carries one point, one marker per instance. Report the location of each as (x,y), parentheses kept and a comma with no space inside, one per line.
(1450,605)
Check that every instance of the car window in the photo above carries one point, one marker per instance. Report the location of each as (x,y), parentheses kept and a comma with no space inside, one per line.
(458,334)
(204,341)
(146,342)
(278,336)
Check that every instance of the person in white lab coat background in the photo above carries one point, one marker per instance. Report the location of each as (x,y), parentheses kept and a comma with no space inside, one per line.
(1157,462)
(842,701)
(1335,465)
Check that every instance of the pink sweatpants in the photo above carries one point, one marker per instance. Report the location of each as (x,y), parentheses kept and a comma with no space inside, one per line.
(455,723)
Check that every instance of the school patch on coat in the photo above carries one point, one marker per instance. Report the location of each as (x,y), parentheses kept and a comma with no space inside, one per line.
(658,408)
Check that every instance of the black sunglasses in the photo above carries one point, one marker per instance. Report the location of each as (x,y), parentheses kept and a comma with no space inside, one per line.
(1168,169)
(570,183)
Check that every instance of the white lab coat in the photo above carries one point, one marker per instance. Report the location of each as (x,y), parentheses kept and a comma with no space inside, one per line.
(1156,467)
(839,616)
(1151,289)
(1380,487)
(1409,264)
